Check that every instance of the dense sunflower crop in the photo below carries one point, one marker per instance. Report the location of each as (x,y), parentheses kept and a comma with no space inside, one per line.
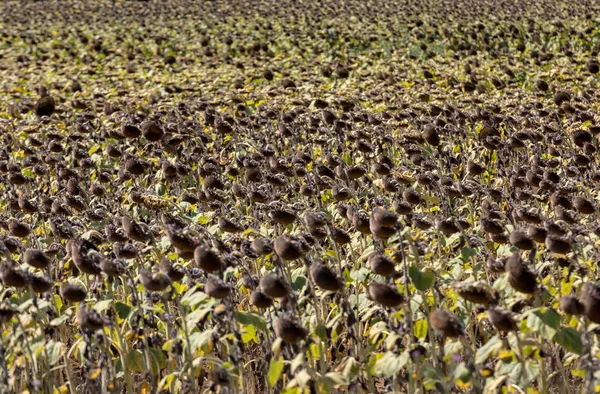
(280,196)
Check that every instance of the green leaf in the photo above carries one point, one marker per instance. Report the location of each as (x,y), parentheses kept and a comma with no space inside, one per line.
(28,172)
(512,369)
(359,275)
(321,332)
(38,346)
(532,370)
(193,297)
(80,351)
(570,339)
(544,321)
(467,253)
(376,329)
(451,239)
(123,310)
(55,351)
(331,253)
(251,319)
(172,256)
(103,305)
(432,376)
(492,346)
(337,379)
(197,315)
(351,368)
(296,362)
(165,243)
(365,254)
(501,283)
(58,302)
(422,280)
(275,370)
(420,328)
(298,279)
(494,385)
(390,364)
(93,150)
(134,362)
(58,321)
(168,345)
(303,377)
(158,360)
(453,347)
(462,373)
(333,322)
(201,340)
(166,382)
(391,340)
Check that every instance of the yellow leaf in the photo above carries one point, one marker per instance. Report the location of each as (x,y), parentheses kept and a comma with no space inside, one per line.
(463,385)
(20,361)
(580,373)
(210,346)
(219,309)
(94,373)
(506,355)
(276,347)
(64,389)
(146,388)
(131,335)
(486,372)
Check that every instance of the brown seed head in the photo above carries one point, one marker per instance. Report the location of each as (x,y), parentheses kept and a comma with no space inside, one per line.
(446,323)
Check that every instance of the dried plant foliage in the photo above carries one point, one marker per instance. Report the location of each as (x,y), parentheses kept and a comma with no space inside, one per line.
(290,197)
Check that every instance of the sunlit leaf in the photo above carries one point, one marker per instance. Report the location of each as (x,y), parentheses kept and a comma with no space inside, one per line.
(390,364)
(145,388)
(462,373)
(103,305)
(55,351)
(420,328)
(62,319)
(95,373)
(166,382)
(493,345)
(544,321)
(202,341)
(275,370)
